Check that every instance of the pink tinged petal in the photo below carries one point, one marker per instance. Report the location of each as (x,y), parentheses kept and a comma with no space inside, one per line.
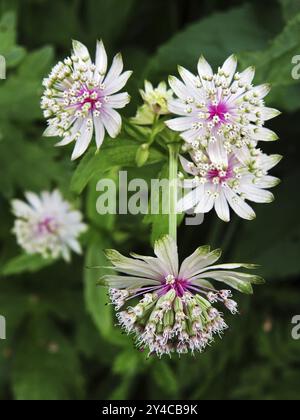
(217,152)
(116,84)
(154,263)
(222,208)
(119,101)
(83,142)
(180,123)
(166,250)
(229,67)
(115,70)
(189,79)
(238,205)
(99,131)
(257,195)
(199,260)
(101,61)
(263,134)
(81,51)
(112,122)
(230,278)
(191,135)
(190,200)
(179,88)
(267,114)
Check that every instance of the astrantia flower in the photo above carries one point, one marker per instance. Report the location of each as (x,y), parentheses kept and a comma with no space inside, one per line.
(223,107)
(47,225)
(155,103)
(81,97)
(169,308)
(224,180)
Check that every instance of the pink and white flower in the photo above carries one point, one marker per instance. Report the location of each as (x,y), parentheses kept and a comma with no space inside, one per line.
(171,309)
(81,98)
(222,180)
(223,107)
(47,225)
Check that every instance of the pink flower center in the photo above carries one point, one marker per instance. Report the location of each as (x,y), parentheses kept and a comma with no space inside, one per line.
(220,111)
(46,226)
(222,175)
(180,286)
(92,97)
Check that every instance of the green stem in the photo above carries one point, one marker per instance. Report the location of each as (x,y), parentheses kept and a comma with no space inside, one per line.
(173,188)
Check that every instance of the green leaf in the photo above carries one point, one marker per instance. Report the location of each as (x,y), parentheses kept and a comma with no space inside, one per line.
(290,8)
(37,64)
(165,378)
(186,47)
(121,152)
(127,363)
(40,355)
(25,263)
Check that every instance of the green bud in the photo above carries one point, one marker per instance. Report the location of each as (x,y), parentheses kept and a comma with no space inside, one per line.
(142,155)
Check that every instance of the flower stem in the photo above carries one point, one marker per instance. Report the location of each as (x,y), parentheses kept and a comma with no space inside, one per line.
(173,188)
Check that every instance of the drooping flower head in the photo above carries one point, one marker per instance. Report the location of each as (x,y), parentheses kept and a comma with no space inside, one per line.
(220,108)
(170,308)
(47,225)
(155,103)
(222,180)
(80,98)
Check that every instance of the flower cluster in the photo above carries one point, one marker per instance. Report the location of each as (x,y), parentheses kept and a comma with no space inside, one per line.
(173,308)
(47,225)
(80,98)
(221,119)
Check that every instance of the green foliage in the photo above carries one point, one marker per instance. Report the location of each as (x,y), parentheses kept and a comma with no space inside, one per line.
(62,342)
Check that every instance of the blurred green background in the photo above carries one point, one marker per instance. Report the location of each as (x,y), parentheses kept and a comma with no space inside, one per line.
(61,339)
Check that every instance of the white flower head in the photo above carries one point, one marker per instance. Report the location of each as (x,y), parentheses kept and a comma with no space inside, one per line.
(171,308)
(225,105)
(155,103)
(47,225)
(223,181)
(80,98)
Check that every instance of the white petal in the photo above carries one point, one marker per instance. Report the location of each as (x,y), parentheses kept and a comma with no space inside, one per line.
(217,152)
(166,250)
(268,113)
(188,166)
(119,100)
(81,51)
(21,209)
(206,202)
(112,122)
(34,200)
(179,88)
(257,195)
(268,162)
(51,131)
(229,67)
(115,70)
(267,182)
(82,143)
(241,208)
(200,259)
(261,91)
(74,131)
(190,200)
(101,60)
(204,70)
(263,134)
(124,282)
(222,208)
(99,131)
(180,123)
(177,107)
(116,84)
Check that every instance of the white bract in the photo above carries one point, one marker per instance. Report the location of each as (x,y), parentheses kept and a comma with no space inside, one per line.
(220,108)
(173,311)
(47,225)
(80,98)
(221,181)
